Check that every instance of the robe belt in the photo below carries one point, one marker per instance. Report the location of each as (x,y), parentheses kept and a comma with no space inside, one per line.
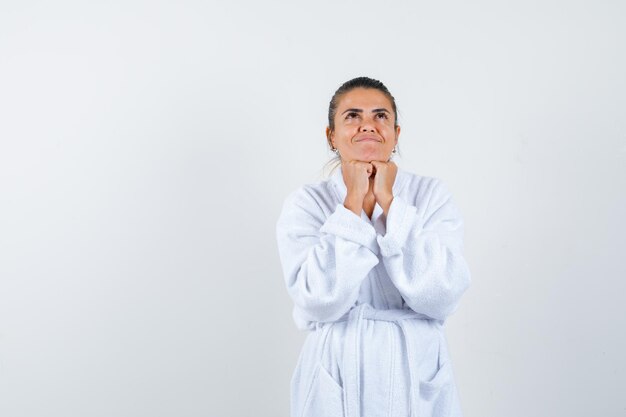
(352,350)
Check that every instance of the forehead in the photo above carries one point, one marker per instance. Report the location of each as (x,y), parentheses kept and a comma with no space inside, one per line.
(364,98)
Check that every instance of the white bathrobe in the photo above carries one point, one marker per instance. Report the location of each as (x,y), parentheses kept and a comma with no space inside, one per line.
(374,295)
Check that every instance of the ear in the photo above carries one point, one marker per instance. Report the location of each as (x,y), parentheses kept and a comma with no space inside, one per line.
(397,133)
(330,135)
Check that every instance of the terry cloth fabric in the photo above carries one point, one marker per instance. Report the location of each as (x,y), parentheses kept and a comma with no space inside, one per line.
(374,295)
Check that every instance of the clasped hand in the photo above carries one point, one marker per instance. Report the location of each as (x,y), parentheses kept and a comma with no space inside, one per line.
(369,178)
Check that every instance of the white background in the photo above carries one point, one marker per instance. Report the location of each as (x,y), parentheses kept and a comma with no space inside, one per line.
(146,149)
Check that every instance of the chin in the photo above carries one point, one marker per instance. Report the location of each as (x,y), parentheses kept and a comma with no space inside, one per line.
(373,157)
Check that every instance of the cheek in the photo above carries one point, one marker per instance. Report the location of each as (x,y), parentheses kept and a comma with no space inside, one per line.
(346,133)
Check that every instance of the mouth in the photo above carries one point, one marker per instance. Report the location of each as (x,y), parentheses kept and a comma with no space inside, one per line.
(368,139)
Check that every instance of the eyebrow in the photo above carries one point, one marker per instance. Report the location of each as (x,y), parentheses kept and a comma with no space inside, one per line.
(373,111)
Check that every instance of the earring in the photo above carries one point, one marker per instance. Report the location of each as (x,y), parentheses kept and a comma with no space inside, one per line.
(392,154)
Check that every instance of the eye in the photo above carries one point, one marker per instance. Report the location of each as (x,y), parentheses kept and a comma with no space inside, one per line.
(351,114)
(382,114)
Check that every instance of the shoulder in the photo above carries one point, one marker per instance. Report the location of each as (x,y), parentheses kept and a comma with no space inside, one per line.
(310,194)
(433,200)
(423,187)
(311,200)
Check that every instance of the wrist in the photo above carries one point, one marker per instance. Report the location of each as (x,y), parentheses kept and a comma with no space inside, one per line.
(354,203)
(385,199)
(385,203)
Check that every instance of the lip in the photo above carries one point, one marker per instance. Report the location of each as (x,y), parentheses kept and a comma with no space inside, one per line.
(368,138)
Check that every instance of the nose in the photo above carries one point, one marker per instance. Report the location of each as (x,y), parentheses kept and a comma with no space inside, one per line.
(366,128)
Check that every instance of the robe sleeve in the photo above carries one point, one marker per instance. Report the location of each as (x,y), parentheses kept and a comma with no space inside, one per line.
(422,251)
(324,257)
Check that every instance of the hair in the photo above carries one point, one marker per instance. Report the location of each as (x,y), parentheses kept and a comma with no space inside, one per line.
(359,82)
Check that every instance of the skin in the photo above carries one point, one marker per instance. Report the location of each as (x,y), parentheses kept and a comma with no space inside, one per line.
(367,171)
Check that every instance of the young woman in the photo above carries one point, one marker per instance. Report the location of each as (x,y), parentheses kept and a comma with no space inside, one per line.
(373,261)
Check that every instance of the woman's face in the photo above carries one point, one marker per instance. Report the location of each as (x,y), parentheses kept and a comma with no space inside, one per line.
(364,126)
